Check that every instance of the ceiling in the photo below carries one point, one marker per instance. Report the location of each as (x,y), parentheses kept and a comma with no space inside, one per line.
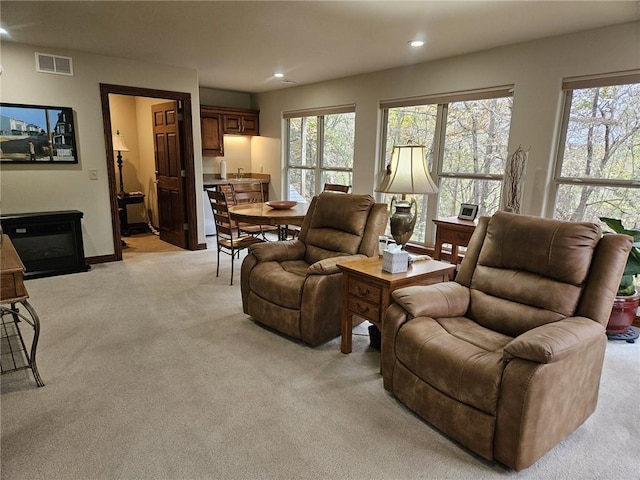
(239,45)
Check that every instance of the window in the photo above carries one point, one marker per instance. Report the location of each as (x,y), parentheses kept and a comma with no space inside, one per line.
(320,146)
(466,136)
(598,163)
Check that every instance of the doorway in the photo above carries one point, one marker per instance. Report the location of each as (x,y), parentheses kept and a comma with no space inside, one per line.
(184,193)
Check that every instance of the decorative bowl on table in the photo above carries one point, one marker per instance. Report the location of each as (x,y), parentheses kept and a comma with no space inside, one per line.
(282,204)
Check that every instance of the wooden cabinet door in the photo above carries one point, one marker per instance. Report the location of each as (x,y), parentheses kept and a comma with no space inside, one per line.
(172,215)
(250,125)
(233,124)
(211,131)
(240,124)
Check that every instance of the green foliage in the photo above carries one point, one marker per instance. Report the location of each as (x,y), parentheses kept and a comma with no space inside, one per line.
(320,150)
(474,151)
(601,149)
(632,269)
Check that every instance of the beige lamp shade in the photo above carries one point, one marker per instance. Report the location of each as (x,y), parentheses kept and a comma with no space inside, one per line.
(118,143)
(408,172)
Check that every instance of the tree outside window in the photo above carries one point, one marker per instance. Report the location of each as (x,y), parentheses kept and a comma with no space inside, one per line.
(466,142)
(598,172)
(320,150)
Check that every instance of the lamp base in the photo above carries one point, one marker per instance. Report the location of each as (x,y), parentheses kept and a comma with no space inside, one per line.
(402,221)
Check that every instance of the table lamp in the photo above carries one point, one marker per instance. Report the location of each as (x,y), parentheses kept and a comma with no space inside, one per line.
(119,146)
(407,173)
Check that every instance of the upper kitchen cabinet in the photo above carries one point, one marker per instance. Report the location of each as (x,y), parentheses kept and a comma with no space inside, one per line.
(216,121)
(241,122)
(211,131)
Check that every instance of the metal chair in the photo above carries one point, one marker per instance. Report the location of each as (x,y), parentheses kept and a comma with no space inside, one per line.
(228,237)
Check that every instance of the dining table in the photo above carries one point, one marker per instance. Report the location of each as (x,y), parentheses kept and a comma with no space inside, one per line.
(260,213)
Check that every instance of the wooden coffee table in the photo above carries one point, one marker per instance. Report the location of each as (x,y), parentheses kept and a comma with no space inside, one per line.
(367,289)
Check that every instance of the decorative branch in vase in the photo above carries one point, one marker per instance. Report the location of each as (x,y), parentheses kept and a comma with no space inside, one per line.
(512,184)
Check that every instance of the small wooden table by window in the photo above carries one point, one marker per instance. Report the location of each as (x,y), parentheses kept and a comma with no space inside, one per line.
(13,293)
(367,289)
(455,232)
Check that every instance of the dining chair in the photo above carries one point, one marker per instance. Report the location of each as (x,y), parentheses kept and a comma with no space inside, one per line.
(334,187)
(228,237)
(250,192)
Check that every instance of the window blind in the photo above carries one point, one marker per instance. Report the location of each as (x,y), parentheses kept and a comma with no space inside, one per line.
(462,96)
(604,80)
(319,112)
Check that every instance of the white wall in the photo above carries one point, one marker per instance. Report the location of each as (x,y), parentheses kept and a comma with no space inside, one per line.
(237,154)
(224,98)
(535,68)
(27,188)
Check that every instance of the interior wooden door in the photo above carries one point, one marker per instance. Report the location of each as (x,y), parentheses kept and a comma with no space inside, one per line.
(170,171)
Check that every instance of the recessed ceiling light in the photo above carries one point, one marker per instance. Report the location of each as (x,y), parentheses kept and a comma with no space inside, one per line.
(416,43)
(3,31)
(278,75)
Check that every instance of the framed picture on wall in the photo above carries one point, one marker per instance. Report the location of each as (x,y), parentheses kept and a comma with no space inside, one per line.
(37,134)
(468,211)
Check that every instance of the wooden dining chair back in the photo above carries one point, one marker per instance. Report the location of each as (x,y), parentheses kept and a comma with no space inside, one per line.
(228,237)
(247,192)
(251,192)
(334,187)
(228,191)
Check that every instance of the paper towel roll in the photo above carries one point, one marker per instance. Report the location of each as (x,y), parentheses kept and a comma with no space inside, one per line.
(223,170)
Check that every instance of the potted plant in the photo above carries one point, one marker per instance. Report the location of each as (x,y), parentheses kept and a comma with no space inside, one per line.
(627,299)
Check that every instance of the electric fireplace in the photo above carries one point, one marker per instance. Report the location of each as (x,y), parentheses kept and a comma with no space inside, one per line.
(48,243)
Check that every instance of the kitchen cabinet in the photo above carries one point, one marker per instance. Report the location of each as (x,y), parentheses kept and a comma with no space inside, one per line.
(211,131)
(215,122)
(241,123)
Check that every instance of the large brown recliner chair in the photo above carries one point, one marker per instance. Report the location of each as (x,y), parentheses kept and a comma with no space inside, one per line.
(507,358)
(295,286)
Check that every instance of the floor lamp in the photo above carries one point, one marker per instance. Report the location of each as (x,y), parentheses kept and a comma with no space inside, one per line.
(407,173)
(119,146)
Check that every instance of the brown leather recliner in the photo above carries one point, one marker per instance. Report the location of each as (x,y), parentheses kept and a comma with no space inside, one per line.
(295,286)
(507,358)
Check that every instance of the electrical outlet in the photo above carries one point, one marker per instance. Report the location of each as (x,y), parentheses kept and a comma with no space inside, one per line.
(93,174)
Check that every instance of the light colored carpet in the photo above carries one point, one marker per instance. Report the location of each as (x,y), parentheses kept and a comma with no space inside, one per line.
(152,371)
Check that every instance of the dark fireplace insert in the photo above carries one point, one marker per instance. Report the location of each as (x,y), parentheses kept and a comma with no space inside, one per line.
(48,243)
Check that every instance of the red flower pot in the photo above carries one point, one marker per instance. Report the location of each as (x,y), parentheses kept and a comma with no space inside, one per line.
(623,313)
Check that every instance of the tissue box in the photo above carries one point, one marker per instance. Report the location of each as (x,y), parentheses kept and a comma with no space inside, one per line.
(395,261)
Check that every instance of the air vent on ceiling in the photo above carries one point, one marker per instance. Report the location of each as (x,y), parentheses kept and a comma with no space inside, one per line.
(46,63)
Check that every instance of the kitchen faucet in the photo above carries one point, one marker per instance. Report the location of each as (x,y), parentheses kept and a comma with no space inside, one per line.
(240,170)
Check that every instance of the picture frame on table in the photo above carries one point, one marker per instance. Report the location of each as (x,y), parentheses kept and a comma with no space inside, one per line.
(468,211)
(37,134)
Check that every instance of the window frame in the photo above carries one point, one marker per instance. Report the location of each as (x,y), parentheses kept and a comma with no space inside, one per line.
(568,86)
(436,167)
(319,168)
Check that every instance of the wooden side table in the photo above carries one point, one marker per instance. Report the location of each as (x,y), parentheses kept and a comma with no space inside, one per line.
(125,199)
(455,232)
(13,353)
(367,289)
